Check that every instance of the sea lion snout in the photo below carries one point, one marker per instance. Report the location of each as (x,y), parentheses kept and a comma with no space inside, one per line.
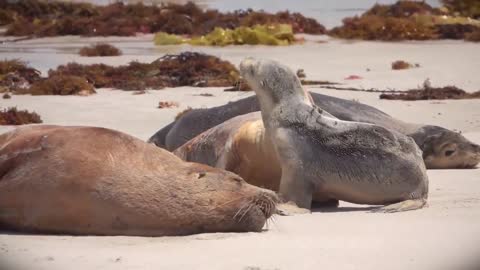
(266,201)
(247,66)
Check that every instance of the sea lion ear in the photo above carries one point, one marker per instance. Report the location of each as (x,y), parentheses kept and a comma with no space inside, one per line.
(427,145)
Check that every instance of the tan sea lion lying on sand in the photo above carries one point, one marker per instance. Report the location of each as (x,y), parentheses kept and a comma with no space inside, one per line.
(96,181)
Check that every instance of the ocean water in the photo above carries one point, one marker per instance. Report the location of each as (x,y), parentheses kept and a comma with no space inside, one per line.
(328,12)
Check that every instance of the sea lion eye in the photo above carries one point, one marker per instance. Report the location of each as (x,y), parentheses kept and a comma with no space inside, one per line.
(449,152)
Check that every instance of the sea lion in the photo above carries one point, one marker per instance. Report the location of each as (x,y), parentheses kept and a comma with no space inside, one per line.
(96,181)
(240,145)
(351,161)
(442,148)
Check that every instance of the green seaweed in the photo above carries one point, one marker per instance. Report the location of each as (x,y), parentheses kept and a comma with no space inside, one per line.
(280,34)
(162,38)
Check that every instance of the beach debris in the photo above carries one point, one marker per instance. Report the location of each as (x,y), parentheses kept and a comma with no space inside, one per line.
(60,85)
(182,113)
(205,95)
(6,96)
(139,92)
(101,49)
(167,104)
(425,92)
(172,70)
(56,18)
(239,85)
(317,82)
(400,64)
(407,20)
(353,77)
(12,116)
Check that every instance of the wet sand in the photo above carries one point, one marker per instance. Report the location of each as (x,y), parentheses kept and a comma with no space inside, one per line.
(443,236)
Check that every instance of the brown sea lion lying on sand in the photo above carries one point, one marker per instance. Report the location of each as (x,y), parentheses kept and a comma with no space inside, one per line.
(96,181)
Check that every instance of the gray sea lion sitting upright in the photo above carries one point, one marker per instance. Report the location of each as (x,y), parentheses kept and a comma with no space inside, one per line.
(350,161)
(442,148)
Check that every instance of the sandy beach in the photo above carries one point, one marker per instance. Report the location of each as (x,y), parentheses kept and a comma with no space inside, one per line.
(443,236)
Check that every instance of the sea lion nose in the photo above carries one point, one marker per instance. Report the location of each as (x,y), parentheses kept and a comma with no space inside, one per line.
(247,64)
(476,148)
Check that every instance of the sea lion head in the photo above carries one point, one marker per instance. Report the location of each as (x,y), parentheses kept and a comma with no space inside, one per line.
(273,82)
(446,149)
(234,205)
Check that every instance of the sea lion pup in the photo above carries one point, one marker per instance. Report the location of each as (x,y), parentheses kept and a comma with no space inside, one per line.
(96,181)
(442,148)
(351,161)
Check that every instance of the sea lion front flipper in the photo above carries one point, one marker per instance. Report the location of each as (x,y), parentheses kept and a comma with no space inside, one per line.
(296,188)
(403,206)
(290,209)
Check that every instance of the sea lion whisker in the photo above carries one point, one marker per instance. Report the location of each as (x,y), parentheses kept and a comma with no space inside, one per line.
(241,209)
(246,211)
(228,202)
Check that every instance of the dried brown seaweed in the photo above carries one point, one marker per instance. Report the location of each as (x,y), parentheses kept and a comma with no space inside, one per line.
(101,49)
(400,64)
(167,104)
(53,18)
(16,75)
(12,116)
(428,93)
(61,85)
(185,69)
(406,20)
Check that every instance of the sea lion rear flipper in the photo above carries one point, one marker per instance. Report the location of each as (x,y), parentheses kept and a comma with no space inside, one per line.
(403,206)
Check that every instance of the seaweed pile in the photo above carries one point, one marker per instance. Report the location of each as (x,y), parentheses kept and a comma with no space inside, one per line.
(56,18)
(101,49)
(279,34)
(400,64)
(60,85)
(428,92)
(465,8)
(15,75)
(408,20)
(12,116)
(185,69)
(167,104)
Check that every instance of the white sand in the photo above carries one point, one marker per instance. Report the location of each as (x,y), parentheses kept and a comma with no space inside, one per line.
(443,236)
